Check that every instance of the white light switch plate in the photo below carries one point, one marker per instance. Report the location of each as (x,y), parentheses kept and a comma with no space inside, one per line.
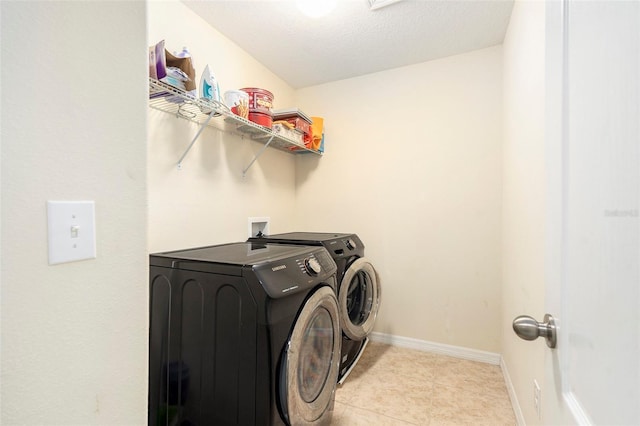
(72,231)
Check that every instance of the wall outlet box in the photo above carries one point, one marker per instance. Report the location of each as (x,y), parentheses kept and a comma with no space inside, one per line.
(71,231)
(258,226)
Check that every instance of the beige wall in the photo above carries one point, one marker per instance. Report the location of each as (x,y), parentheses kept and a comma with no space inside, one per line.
(74,335)
(209,201)
(413,165)
(524,196)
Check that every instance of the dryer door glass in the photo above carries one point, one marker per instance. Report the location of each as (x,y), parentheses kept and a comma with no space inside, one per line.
(311,361)
(359,299)
(316,354)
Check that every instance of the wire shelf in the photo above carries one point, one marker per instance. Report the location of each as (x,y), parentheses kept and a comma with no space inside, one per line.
(181,104)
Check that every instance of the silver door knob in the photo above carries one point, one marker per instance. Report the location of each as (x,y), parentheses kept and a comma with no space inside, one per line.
(528,328)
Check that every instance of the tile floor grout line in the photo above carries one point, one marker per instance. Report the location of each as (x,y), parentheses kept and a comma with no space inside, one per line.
(383,415)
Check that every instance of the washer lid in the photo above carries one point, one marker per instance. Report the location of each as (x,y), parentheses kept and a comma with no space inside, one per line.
(226,258)
(311,238)
(339,245)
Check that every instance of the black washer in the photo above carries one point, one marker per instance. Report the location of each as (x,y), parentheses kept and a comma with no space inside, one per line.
(228,325)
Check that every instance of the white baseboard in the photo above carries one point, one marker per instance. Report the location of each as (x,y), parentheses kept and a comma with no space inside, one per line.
(438,348)
(512,394)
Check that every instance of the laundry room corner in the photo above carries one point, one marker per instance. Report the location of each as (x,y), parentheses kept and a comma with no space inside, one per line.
(412,161)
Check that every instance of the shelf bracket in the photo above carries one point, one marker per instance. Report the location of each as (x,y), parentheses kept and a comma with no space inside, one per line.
(202,126)
(266,145)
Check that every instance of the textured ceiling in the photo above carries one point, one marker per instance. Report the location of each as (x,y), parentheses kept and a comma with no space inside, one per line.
(354,40)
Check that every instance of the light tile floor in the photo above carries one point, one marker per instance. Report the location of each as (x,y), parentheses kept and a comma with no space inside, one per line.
(398,386)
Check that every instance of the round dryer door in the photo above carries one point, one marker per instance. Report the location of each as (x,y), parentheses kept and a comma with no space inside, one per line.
(359,299)
(311,361)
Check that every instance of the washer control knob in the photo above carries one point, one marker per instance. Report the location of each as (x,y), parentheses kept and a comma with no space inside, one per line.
(351,245)
(312,266)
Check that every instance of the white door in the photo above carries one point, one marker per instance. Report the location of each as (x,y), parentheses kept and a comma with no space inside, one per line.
(593,255)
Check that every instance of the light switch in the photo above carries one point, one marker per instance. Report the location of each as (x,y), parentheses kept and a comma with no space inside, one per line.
(72,232)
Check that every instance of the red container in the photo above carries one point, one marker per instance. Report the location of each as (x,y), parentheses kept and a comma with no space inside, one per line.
(260,101)
(300,124)
(295,117)
(262,119)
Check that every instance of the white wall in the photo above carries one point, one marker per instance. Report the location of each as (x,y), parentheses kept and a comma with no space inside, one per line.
(208,201)
(74,336)
(523,268)
(413,166)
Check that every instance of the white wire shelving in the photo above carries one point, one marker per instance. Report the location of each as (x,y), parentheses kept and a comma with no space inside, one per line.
(204,112)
